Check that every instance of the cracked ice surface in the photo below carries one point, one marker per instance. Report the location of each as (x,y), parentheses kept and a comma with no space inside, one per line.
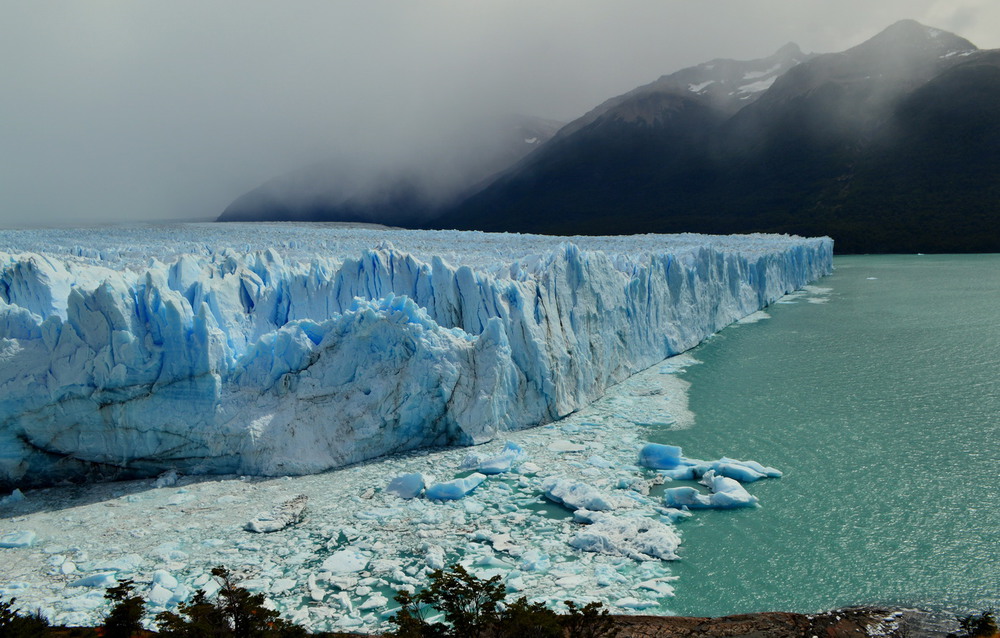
(274,349)
(359,542)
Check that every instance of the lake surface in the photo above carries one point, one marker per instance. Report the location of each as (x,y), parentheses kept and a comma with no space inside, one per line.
(882,406)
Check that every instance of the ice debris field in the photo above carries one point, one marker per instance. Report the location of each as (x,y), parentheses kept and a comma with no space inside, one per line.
(272,349)
(581,514)
(283,336)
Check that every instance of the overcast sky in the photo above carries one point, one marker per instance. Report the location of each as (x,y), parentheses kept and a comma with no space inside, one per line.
(169,109)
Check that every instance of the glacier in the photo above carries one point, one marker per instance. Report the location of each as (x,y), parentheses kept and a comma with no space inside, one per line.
(359,541)
(282,349)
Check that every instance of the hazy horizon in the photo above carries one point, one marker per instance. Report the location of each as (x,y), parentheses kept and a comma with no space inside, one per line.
(158,111)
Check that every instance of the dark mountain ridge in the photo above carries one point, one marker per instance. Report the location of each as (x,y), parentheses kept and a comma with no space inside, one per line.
(890,146)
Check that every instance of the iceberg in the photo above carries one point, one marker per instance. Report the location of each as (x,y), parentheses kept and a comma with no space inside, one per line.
(407,486)
(580,496)
(25,538)
(456,489)
(727,493)
(269,349)
(639,538)
(288,513)
(512,453)
(660,457)
(686,496)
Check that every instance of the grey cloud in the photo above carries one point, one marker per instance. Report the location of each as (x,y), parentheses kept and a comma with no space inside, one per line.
(170,109)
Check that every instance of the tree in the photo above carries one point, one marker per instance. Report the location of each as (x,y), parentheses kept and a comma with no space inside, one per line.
(521,619)
(472,608)
(14,625)
(469,605)
(589,621)
(125,617)
(979,625)
(235,613)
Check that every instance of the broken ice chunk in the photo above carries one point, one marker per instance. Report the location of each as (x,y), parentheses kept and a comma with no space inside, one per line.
(600,461)
(163,577)
(534,561)
(407,485)
(102,580)
(688,497)
(726,492)
(288,513)
(12,498)
(736,471)
(637,537)
(456,489)
(566,446)
(376,601)
(434,556)
(24,538)
(579,495)
(682,473)
(167,479)
(346,561)
(512,453)
(744,471)
(159,595)
(660,457)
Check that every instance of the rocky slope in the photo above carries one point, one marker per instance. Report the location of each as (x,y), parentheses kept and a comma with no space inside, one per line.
(889,146)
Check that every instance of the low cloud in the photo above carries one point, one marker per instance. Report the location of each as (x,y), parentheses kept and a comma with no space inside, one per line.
(168,110)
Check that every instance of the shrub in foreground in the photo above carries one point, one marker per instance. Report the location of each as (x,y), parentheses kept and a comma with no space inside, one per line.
(472,608)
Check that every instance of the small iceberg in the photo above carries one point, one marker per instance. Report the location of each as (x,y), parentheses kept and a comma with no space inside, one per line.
(657,456)
(454,490)
(407,485)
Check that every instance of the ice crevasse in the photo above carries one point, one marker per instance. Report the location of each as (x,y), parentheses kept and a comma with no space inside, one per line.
(296,352)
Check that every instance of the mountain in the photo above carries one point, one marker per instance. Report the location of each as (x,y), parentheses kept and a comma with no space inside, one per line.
(401,191)
(890,146)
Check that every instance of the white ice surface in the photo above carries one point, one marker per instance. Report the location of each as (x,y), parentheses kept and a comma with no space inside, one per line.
(277,349)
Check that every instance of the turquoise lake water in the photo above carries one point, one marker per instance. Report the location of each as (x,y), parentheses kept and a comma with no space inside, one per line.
(882,407)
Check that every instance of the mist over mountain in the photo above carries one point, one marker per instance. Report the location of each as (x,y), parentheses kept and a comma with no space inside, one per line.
(404,190)
(890,146)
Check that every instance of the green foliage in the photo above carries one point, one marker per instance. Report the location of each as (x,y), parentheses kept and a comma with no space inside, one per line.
(14,625)
(235,613)
(979,625)
(589,621)
(469,604)
(125,617)
(522,619)
(472,608)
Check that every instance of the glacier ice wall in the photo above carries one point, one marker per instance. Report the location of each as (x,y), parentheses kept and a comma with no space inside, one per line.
(273,349)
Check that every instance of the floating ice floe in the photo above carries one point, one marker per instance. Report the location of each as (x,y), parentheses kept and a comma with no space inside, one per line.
(636,537)
(660,457)
(726,493)
(24,538)
(575,495)
(347,561)
(407,485)
(288,513)
(512,453)
(456,489)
